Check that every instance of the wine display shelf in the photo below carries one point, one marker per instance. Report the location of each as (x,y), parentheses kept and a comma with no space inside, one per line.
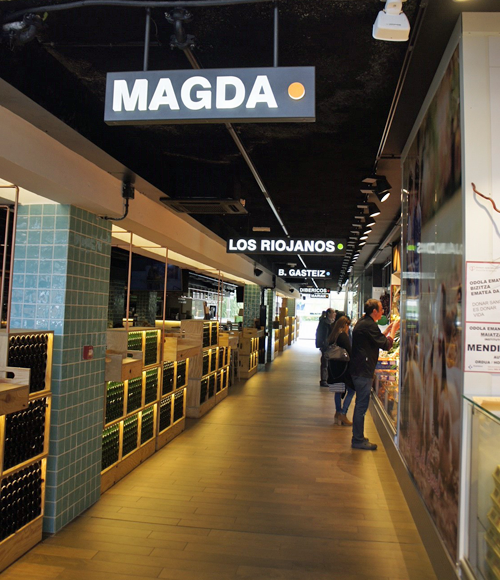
(24,446)
(276,336)
(208,379)
(248,358)
(142,413)
(145,340)
(207,331)
(284,330)
(291,331)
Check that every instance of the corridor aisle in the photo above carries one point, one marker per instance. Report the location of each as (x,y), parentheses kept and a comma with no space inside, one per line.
(263,487)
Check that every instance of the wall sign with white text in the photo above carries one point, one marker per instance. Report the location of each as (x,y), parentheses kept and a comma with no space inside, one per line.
(303,273)
(284,246)
(246,95)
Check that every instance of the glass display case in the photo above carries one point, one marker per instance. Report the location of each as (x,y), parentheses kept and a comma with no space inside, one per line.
(483,542)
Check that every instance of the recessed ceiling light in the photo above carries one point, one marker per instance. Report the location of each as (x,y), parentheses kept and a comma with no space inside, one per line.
(261,229)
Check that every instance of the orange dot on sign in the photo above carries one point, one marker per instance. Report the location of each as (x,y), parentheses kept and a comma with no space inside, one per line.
(296,91)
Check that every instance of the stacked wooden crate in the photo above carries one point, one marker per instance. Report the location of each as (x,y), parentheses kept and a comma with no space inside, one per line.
(145,397)
(209,371)
(249,351)
(25,402)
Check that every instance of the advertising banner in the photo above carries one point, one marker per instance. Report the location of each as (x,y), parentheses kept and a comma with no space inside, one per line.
(432,340)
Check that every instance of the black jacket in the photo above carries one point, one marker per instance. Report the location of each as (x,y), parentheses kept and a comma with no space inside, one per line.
(323,332)
(366,342)
(338,371)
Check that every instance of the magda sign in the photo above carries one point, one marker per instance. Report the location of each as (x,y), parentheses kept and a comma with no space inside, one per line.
(247,95)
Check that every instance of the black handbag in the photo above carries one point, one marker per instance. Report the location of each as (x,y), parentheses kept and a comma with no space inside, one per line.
(336,353)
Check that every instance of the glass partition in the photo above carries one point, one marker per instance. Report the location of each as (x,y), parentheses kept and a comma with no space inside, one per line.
(483,547)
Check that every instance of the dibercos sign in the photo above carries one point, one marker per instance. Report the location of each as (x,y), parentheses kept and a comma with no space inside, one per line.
(284,246)
(248,95)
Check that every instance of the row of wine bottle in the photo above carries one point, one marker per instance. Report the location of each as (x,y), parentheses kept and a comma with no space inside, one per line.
(24,433)
(165,413)
(130,430)
(20,499)
(147,425)
(151,393)
(110,446)
(178,406)
(134,399)
(114,401)
(30,351)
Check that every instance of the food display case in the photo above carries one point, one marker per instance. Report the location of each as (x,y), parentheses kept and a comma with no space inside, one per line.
(386,384)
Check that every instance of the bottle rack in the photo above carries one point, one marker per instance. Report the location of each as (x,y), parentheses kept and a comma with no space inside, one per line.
(284,330)
(291,330)
(248,358)
(208,379)
(24,446)
(144,412)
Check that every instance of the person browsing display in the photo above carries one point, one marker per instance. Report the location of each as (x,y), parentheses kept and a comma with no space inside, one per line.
(366,342)
(339,371)
(322,333)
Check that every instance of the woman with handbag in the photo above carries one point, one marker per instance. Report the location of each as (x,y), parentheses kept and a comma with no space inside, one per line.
(338,369)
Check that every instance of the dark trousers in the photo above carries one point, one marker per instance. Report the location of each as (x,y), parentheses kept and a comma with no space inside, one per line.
(363,387)
(323,368)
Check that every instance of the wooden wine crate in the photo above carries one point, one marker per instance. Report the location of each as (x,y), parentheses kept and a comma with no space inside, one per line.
(180,348)
(252,332)
(248,345)
(231,339)
(121,366)
(170,433)
(42,455)
(20,542)
(4,354)
(15,391)
(119,470)
(193,329)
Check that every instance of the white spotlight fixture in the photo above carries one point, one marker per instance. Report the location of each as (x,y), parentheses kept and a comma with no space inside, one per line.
(363,238)
(391,23)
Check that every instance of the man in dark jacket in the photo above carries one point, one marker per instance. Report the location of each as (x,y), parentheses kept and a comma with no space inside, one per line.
(366,342)
(322,333)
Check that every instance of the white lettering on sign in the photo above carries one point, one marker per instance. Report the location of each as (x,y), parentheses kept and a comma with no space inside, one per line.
(164,95)
(137,99)
(192,98)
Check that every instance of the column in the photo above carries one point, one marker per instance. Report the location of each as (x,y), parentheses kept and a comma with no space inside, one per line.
(61,283)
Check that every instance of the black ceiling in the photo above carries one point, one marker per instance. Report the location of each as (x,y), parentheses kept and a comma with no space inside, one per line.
(312,171)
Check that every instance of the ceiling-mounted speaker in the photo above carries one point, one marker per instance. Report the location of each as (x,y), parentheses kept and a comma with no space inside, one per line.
(258,272)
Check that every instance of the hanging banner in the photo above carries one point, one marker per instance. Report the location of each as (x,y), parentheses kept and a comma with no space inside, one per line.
(284,246)
(245,95)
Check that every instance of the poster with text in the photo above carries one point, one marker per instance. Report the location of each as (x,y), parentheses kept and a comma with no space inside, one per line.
(431,347)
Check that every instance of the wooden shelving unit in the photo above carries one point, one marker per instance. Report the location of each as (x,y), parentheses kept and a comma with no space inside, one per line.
(24,444)
(209,370)
(249,352)
(144,412)
(284,330)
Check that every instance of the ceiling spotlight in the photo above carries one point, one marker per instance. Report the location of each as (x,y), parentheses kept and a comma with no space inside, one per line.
(371,223)
(362,243)
(361,218)
(367,232)
(363,238)
(391,23)
(258,272)
(373,210)
(356,226)
(292,290)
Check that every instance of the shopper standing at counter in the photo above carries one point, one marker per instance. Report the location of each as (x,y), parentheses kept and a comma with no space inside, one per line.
(366,342)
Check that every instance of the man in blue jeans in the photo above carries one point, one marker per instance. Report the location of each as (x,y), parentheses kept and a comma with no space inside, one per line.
(366,342)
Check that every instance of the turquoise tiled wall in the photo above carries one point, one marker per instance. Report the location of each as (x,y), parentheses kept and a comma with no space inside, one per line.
(61,283)
(251,306)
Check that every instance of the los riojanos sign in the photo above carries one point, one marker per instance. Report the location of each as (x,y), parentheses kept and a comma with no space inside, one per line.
(248,95)
(284,246)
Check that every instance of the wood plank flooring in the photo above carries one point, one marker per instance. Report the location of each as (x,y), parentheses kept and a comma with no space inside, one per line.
(263,487)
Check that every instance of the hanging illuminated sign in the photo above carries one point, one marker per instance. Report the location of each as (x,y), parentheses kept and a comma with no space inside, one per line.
(284,246)
(246,95)
(324,291)
(303,273)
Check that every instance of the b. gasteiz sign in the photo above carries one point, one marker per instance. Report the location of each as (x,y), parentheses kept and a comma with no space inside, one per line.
(284,246)
(247,95)
(303,273)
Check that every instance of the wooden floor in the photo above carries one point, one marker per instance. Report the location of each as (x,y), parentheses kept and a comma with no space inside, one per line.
(263,487)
